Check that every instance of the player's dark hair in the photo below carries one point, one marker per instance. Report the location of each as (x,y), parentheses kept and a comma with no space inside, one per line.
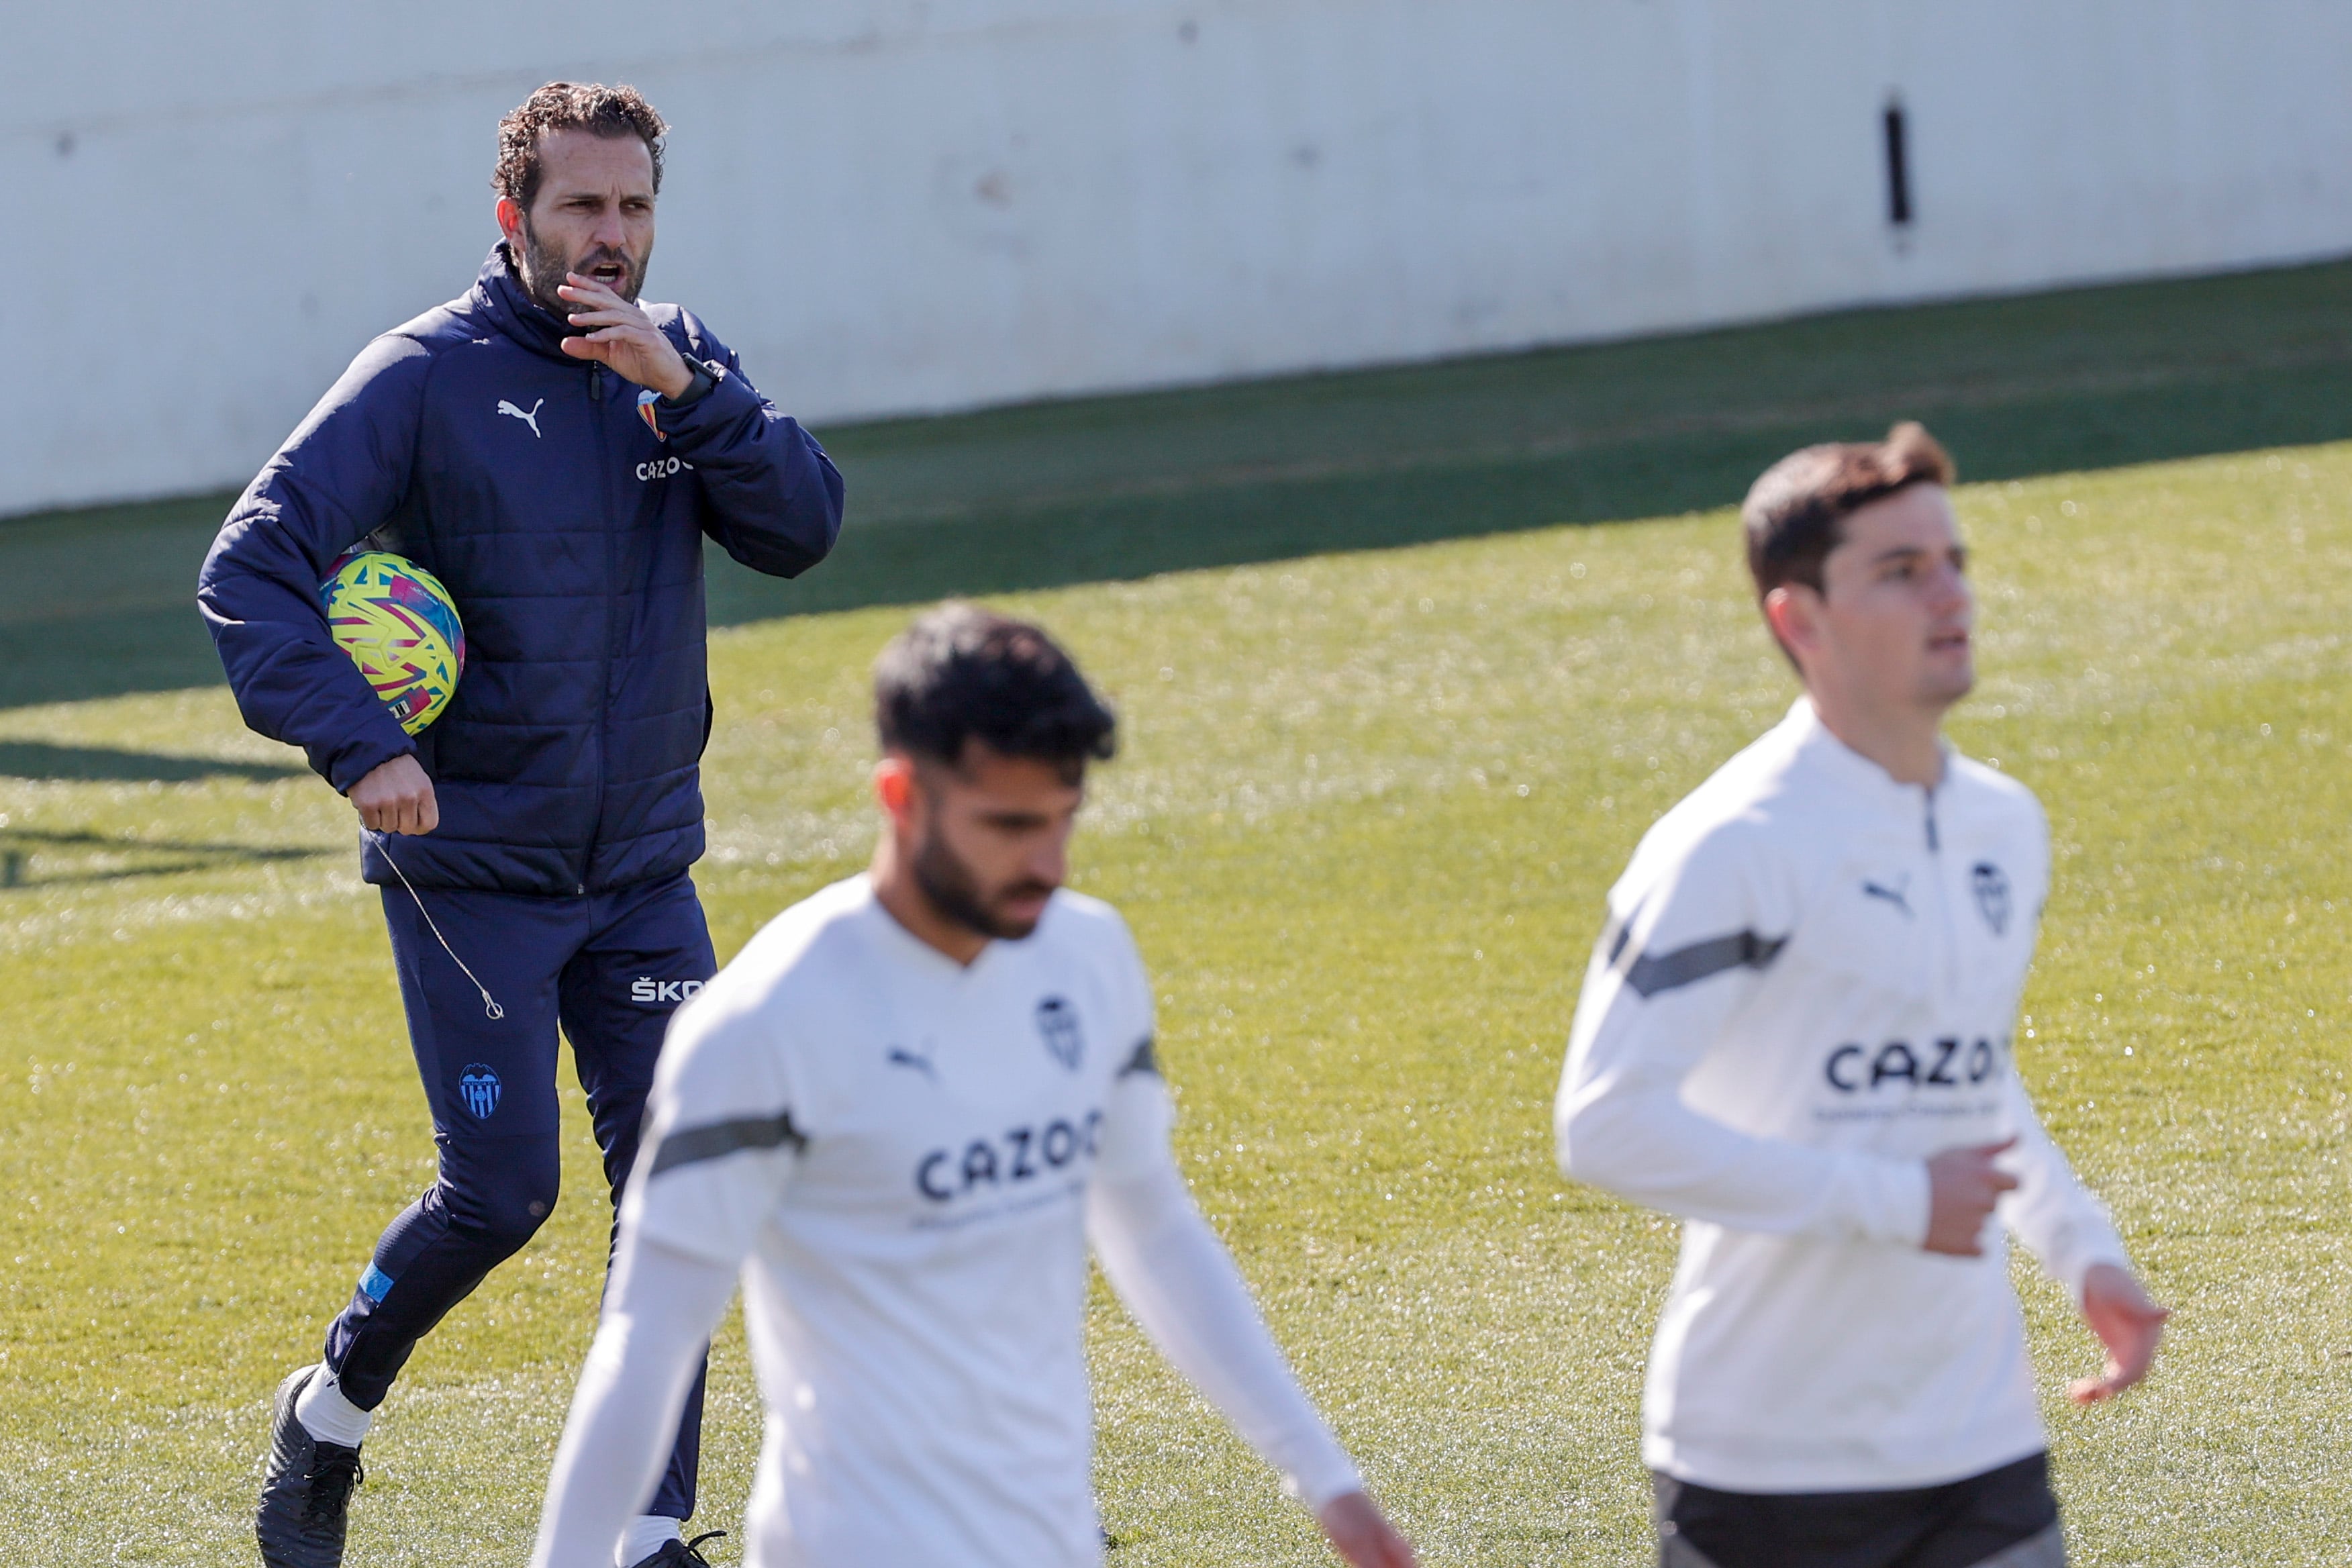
(1795,513)
(962,674)
(593,107)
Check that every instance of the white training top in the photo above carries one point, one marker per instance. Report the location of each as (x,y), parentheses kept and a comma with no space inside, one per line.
(1807,987)
(907,1156)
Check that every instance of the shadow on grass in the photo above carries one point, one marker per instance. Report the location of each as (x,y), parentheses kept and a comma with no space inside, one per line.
(39,760)
(98,602)
(1053,546)
(30,859)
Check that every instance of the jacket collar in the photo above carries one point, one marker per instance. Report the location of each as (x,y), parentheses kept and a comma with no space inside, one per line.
(1854,775)
(499,294)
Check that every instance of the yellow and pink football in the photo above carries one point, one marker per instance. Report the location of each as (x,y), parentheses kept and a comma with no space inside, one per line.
(401,627)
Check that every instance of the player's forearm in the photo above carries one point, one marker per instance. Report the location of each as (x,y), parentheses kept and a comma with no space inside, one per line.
(1178,1280)
(1621,1122)
(293,684)
(2065,1227)
(1640,1140)
(258,594)
(662,1308)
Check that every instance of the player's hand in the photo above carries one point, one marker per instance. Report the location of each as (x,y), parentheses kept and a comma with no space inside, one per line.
(2119,1310)
(1963,1185)
(1359,1532)
(622,337)
(396,797)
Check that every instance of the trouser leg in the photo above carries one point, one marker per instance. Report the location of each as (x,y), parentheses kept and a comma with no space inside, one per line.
(650,945)
(2047,1549)
(1668,1517)
(490,1085)
(2004,1518)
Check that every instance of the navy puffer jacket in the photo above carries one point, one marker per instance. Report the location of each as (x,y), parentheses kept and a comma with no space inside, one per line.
(569,530)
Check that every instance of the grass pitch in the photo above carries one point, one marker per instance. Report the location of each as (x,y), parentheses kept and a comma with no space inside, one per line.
(1366,811)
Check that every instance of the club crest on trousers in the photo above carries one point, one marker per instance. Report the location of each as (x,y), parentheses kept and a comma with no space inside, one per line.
(478,1086)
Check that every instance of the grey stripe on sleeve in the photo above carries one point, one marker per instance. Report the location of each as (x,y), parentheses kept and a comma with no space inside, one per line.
(690,1145)
(1144,1059)
(1652,972)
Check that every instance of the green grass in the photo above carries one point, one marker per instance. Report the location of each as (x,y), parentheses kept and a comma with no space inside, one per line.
(1367,809)
(96,603)
(1367,936)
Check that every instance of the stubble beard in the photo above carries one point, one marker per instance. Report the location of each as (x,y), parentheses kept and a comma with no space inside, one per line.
(544,268)
(955,893)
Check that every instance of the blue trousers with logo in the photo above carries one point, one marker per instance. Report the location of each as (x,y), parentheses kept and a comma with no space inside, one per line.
(608,969)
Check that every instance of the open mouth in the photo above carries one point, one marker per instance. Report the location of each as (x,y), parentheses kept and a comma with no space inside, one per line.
(611,274)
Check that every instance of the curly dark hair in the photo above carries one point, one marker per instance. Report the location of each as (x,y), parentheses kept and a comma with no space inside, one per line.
(1795,513)
(962,674)
(617,110)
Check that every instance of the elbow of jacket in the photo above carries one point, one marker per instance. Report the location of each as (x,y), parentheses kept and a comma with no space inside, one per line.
(819,515)
(835,499)
(831,534)
(1585,1137)
(789,558)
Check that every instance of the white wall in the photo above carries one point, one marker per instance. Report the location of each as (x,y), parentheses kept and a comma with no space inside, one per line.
(896,205)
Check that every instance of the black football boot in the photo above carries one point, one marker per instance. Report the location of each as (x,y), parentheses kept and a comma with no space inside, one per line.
(675,1554)
(306,1492)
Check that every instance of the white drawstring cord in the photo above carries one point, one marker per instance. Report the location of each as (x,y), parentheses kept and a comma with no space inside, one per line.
(489,1004)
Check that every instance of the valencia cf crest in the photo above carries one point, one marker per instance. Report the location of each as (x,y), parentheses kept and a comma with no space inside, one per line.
(1057,1022)
(1992,894)
(478,1086)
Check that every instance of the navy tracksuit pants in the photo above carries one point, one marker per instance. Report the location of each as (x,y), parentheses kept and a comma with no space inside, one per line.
(609,968)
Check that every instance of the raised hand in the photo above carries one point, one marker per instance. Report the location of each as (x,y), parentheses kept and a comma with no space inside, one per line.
(2119,1310)
(1359,1532)
(1963,1185)
(622,337)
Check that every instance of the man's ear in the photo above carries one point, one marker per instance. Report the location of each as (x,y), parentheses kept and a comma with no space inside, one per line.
(896,789)
(510,213)
(1793,611)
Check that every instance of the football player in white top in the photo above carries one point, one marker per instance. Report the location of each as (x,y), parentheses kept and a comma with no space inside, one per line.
(900,1115)
(1796,1034)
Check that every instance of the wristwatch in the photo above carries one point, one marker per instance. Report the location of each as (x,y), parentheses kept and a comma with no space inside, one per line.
(705,376)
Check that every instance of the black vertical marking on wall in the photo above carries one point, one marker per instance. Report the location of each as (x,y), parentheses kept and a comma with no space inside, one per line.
(1898,167)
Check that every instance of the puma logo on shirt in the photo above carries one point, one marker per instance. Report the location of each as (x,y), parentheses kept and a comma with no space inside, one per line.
(900,1056)
(1897,895)
(530,418)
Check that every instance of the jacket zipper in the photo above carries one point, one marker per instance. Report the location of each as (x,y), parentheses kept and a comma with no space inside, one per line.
(604,679)
(1948,950)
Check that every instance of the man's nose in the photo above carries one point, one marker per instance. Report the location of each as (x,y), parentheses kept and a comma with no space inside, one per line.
(1049,860)
(609,231)
(1951,592)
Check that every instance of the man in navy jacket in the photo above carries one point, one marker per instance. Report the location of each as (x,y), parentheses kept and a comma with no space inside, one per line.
(555,453)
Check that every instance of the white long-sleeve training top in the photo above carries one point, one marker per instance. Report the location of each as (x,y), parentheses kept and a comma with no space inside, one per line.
(907,1158)
(1807,986)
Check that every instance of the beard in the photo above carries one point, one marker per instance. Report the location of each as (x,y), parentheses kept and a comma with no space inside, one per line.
(543,269)
(956,894)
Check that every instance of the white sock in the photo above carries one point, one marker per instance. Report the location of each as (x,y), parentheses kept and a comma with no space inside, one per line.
(327,1416)
(645,1536)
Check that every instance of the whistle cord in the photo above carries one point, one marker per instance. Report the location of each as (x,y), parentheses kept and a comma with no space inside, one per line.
(489,1004)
